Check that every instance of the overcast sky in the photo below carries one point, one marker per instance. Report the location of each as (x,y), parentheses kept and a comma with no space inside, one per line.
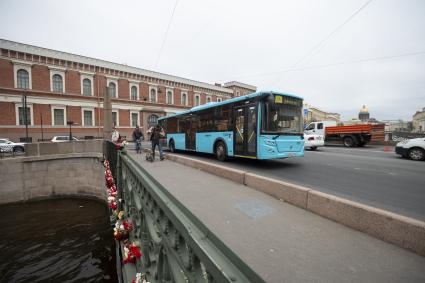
(300,46)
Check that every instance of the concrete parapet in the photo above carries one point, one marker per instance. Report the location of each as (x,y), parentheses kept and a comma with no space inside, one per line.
(290,193)
(235,175)
(402,231)
(49,148)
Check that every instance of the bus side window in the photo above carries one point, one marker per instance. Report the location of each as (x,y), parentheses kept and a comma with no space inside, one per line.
(223,118)
(171,126)
(182,125)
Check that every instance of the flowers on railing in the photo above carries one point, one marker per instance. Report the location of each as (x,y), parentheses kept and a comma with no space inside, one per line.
(131,253)
(122,228)
(120,144)
(140,278)
(111,188)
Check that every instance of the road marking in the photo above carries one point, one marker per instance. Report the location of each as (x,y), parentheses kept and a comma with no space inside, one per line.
(363,150)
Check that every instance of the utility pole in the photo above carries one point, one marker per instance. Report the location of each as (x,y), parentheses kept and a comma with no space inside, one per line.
(24,104)
(41,125)
(107,115)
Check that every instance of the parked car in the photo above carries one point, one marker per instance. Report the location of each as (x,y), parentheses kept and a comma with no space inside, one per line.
(9,146)
(313,141)
(413,149)
(63,139)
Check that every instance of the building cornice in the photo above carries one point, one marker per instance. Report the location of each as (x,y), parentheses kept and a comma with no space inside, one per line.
(239,84)
(40,51)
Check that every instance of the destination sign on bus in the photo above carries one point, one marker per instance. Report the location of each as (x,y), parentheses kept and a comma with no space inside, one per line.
(287,100)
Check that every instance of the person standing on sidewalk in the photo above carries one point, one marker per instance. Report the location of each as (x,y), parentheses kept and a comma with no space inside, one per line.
(137,138)
(115,135)
(157,132)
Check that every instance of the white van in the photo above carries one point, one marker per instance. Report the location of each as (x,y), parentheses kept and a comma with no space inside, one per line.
(318,128)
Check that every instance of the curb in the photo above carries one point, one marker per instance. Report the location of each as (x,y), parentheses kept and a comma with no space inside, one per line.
(402,231)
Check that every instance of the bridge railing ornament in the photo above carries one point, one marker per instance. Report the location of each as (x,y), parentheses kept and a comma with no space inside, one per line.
(174,245)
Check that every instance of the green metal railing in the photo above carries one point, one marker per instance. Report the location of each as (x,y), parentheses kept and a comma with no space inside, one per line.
(176,246)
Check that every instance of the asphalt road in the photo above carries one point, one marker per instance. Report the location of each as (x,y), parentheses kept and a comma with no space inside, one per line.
(367,175)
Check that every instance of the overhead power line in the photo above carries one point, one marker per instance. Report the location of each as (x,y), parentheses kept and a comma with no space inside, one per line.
(326,38)
(337,64)
(166,34)
(319,45)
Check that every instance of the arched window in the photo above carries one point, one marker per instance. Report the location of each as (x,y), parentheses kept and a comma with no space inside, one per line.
(208,99)
(197,100)
(169,97)
(152,120)
(57,83)
(86,87)
(184,99)
(112,90)
(133,93)
(152,97)
(23,79)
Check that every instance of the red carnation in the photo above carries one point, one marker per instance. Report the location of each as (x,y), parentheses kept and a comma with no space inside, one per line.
(113,205)
(109,182)
(127,226)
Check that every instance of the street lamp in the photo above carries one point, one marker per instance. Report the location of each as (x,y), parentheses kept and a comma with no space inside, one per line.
(70,123)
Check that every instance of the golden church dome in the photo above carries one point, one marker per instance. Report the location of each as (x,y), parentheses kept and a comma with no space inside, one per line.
(364,109)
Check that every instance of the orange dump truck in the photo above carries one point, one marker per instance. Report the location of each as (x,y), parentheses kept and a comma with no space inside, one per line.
(350,136)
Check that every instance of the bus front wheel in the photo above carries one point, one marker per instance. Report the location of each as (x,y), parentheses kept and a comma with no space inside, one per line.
(220,151)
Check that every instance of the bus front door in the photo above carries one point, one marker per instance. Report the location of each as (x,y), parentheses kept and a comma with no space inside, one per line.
(191,133)
(245,131)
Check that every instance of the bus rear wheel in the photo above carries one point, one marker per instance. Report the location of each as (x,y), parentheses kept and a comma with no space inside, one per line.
(220,151)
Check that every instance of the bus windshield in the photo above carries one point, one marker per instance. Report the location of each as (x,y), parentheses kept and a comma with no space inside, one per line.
(282,118)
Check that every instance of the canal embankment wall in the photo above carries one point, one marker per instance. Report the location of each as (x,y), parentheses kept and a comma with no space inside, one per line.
(53,170)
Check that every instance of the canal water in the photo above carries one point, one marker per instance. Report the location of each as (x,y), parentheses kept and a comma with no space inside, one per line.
(57,240)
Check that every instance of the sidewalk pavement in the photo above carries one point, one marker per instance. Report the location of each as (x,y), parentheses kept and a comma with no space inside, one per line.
(281,242)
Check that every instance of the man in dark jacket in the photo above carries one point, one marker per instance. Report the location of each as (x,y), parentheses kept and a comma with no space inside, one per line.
(157,132)
(137,138)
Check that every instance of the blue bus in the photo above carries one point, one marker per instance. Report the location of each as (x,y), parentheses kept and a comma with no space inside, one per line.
(261,125)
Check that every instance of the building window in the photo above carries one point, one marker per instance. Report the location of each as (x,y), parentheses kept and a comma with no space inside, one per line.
(152,95)
(184,99)
(86,83)
(87,87)
(22,116)
(115,118)
(134,118)
(219,100)
(133,93)
(22,74)
(88,117)
(169,97)
(152,120)
(57,82)
(197,100)
(208,99)
(58,116)
(112,90)
(23,79)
